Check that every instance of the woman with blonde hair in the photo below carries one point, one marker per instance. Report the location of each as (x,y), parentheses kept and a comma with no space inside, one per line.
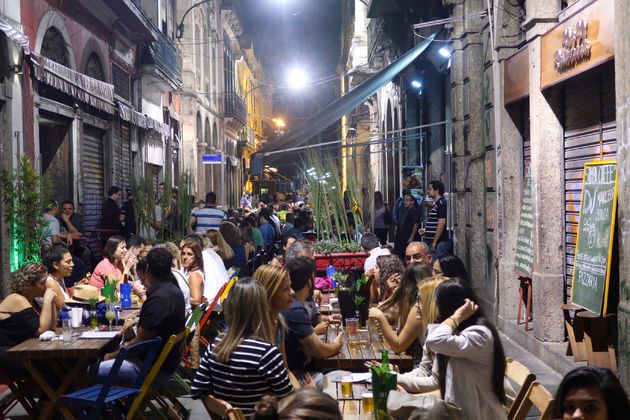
(220,246)
(279,296)
(410,334)
(242,364)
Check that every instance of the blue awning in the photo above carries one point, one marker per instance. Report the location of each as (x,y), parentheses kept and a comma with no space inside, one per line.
(301,133)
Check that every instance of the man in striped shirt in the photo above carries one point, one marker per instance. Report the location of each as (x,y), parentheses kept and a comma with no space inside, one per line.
(209,217)
(435,234)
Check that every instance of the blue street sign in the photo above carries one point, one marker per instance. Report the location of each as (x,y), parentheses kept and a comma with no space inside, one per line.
(211,159)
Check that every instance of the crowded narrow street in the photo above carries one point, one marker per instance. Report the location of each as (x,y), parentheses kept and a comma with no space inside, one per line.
(335,209)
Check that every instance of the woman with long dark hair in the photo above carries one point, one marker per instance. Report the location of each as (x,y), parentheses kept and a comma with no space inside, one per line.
(471,360)
(406,298)
(593,393)
(451,266)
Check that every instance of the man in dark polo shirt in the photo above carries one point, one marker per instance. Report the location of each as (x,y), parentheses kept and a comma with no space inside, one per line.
(301,342)
(162,315)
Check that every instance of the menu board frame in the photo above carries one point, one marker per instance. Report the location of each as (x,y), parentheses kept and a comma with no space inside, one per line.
(602,307)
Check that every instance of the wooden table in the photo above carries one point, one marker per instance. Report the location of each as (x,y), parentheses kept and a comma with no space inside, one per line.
(354,354)
(67,361)
(350,408)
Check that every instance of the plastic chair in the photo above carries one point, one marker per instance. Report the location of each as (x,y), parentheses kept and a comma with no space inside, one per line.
(96,398)
(221,408)
(539,397)
(520,375)
(147,385)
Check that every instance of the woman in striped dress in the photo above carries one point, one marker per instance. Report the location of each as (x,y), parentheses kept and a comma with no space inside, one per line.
(242,364)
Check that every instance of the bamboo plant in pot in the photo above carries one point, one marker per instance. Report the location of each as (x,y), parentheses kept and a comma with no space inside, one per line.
(354,301)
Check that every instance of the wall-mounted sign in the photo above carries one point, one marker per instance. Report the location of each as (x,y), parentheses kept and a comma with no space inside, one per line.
(576,47)
(581,42)
(212,159)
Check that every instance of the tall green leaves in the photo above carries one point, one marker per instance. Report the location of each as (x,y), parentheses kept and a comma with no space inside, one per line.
(24,194)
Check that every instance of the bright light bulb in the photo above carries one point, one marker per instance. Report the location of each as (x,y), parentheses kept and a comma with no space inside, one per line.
(444,52)
(297,78)
(416,84)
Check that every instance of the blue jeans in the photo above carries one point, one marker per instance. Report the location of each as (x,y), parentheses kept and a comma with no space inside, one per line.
(128,373)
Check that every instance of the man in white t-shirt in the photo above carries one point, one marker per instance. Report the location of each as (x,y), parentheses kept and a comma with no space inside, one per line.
(370,244)
(52,228)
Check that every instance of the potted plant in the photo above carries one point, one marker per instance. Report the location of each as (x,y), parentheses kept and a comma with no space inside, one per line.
(355,301)
(24,194)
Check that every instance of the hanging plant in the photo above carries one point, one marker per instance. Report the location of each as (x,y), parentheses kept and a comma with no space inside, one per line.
(24,194)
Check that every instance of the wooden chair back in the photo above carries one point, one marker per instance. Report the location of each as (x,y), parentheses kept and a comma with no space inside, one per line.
(523,378)
(148,381)
(539,397)
(221,408)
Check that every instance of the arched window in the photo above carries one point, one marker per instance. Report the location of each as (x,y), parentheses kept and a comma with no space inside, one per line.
(94,67)
(54,47)
(208,134)
(198,128)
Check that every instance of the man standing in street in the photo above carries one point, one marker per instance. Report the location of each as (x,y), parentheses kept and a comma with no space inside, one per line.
(209,217)
(111,216)
(435,234)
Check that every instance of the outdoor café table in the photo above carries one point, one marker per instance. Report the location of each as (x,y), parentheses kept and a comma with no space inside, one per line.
(67,361)
(350,408)
(354,354)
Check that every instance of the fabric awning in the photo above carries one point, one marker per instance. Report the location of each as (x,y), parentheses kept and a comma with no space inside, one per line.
(343,105)
(12,30)
(84,88)
(129,114)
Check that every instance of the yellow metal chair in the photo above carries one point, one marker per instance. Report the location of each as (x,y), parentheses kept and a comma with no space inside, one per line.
(147,386)
(520,375)
(221,408)
(228,287)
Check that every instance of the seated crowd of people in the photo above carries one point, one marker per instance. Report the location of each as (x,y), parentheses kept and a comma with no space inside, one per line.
(423,306)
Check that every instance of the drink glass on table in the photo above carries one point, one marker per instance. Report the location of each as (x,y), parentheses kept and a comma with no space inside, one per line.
(110,315)
(352,326)
(367,403)
(67,330)
(346,386)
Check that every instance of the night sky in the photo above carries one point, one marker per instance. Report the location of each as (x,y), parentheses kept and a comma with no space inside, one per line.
(289,33)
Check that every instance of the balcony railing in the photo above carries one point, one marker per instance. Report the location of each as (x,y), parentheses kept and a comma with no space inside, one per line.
(235,108)
(164,56)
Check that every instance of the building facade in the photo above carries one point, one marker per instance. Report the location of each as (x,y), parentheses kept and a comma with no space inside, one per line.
(494,108)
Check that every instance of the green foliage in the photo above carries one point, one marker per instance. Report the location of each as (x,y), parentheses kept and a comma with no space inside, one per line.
(336,247)
(24,194)
(356,287)
(92,302)
(358,300)
(340,277)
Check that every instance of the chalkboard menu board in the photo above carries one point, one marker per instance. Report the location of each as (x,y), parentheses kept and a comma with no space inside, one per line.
(525,241)
(595,236)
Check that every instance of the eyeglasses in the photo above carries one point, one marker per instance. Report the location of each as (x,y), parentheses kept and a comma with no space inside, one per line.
(417,256)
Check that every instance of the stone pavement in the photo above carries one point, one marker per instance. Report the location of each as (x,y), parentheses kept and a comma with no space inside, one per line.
(544,374)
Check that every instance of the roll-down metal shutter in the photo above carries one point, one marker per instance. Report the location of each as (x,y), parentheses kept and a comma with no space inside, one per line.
(122,155)
(93,181)
(589,133)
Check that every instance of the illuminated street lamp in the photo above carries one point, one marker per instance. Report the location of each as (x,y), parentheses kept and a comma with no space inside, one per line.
(297,78)
(279,122)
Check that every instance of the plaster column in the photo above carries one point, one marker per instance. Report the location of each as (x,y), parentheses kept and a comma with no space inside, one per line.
(622,88)
(547,151)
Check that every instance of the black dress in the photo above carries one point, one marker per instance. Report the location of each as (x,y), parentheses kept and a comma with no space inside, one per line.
(17,328)
(408,217)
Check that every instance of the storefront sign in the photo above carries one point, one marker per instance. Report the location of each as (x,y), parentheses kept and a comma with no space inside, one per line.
(516,76)
(575,47)
(596,226)
(581,42)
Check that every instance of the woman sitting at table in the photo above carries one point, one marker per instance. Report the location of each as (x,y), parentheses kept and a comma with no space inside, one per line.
(279,297)
(387,275)
(19,320)
(470,357)
(220,246)
(410,330)
(114,263)
(58,260)
(192,265)
(242,364)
